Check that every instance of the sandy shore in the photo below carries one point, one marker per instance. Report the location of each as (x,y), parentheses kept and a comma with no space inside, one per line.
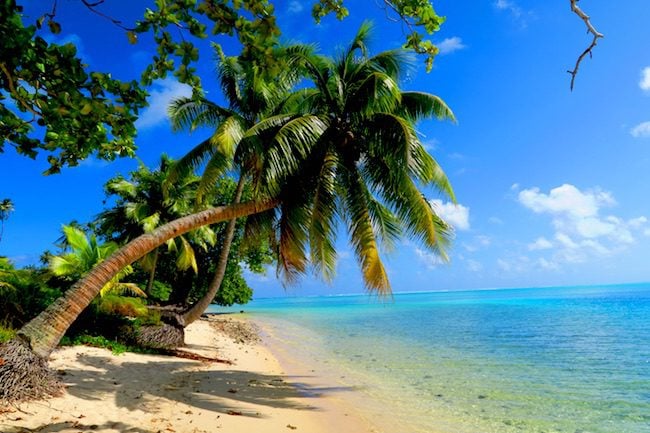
(152,393)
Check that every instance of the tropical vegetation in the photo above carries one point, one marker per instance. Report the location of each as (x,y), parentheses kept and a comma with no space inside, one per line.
(342,150)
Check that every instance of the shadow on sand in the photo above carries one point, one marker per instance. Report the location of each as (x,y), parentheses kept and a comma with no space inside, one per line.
(144,385)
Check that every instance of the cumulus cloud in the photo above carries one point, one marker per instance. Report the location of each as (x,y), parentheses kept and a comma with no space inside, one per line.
(449,45)
(581,231)
(456,215)
(642,130)
(565,199)
(159,99)
(644,83)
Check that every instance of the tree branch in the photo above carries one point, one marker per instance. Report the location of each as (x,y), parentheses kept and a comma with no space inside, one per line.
(14,93)
(91,6)
(590,29)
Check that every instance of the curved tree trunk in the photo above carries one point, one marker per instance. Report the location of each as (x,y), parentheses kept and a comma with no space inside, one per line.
(199,307)
(44,332)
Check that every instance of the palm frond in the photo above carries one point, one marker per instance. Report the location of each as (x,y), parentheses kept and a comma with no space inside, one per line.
(188,113)
(360,41)
(121,186)
(294,229)
(214,169)
(291,144)
(362,234)
(322,230)
(384,223)
(150,223)
(67,265)
(190,161)
(76,238)
(377,92)
(422,105)
(122,289)
(186,257)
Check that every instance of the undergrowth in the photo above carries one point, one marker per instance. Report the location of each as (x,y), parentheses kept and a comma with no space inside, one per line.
(116,347)
(6,332)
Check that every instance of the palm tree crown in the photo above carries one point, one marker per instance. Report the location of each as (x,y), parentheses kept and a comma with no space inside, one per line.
(356,158)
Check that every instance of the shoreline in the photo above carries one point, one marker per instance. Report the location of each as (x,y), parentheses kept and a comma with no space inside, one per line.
(155,394)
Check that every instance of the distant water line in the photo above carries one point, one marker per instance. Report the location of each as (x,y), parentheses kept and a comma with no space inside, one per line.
(564,359)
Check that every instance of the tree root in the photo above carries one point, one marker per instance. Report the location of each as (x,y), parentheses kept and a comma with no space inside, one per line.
(24,375)
(160,337)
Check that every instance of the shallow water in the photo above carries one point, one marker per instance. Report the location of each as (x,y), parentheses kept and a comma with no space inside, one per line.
(566,359)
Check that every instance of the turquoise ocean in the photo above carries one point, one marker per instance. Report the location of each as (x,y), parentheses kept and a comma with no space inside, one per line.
(561,359)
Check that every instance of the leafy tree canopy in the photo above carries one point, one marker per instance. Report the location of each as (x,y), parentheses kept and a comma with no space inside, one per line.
(50,102)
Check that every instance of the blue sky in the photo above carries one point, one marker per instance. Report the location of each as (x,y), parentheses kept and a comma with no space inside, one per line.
(552,185)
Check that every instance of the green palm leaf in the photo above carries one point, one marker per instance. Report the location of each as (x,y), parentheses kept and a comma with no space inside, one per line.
(322,231)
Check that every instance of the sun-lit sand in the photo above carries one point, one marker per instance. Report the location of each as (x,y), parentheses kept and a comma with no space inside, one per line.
(150,394)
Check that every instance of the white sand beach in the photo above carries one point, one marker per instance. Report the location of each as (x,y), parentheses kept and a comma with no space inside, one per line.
(156,394)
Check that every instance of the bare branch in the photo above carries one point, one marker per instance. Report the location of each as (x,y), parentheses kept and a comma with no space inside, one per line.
(590,29)
(91,6)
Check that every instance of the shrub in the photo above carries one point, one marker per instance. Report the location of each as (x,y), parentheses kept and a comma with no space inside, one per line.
(6,333)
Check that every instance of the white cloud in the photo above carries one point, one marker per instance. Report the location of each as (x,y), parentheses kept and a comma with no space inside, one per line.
(540,244)
(642,130)
(449,45)
(565,199)
(495,220)
(581,232)
(547,264)
(479,242)
(429,259)
(295,7)
(518,14)
(456,215)
(159,99)
(514,264)
(644,83)
(503,4)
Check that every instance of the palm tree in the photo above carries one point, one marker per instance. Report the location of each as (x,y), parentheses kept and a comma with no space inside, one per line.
(363,166)
(85,254)
(353,154)
(6,207)
(142,205)
(251,95)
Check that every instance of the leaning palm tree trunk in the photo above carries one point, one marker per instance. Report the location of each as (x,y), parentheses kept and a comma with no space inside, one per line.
(199,307)
(44,332)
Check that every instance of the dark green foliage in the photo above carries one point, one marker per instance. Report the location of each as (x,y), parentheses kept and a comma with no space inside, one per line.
(50,103)
(96,341)
(60,108)
(113,345)
(121,306)
(140,197)
(24,293)
(97,321)
(160,291)
(152,318)
(6,333)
